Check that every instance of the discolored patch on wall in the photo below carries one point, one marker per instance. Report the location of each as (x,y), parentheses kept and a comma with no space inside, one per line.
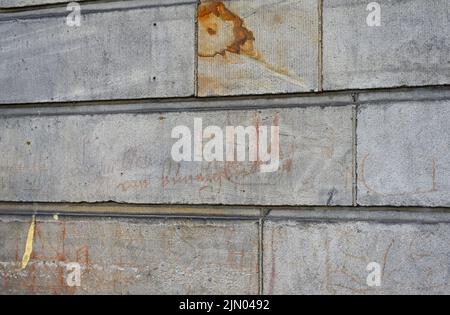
(130,256)
(254,47)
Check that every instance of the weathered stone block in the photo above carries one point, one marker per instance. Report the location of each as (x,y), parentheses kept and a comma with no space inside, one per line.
(257,47)
(410,47)
(130,256)
(403,154)
(25,3)
(122,50)
(128,158)
(333,257)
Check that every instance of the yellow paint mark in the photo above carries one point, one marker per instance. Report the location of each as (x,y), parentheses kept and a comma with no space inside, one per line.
(55,217)
(29,245)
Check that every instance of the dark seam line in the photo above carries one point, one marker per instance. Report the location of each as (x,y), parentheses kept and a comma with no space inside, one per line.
(38,16)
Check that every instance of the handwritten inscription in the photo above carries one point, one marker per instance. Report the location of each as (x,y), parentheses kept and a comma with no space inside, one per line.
(134,185)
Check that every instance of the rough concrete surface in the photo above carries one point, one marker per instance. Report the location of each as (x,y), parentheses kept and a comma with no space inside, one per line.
(403,154)
(410,48)
(88,118)
(130,256)
(332,258)
(24,3)
(119,51)
(127,158)
(257,47)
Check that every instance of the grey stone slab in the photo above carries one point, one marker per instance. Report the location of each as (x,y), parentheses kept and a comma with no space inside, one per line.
(7,4)
(119,51)
(127,158)
(333,258)
(258,47)
(25,3)
(410,48)
(130,256)
(403,154)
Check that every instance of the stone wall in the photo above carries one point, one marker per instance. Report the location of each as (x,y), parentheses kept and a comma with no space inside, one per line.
(358,203)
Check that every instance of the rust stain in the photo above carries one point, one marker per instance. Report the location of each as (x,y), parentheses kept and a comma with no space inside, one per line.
(82,257)
(61,257)
(222,34)
(221,31)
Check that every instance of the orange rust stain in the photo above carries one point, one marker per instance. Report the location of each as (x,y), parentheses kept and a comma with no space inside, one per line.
(223,37)
(221,31)
(61,255)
